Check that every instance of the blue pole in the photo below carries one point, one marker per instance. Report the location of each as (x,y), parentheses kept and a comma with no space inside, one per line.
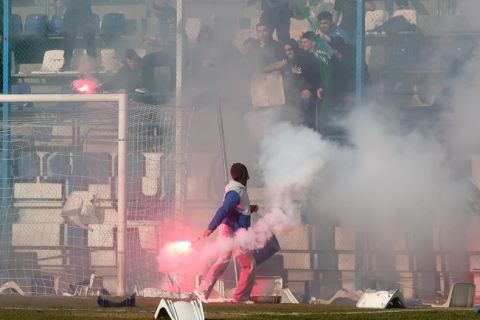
(359,82)
(360,54)
(5,184)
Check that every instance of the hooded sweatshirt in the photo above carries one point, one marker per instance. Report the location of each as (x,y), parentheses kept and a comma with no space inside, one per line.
(235,211)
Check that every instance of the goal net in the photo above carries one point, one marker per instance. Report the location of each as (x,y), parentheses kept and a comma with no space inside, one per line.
(73,221)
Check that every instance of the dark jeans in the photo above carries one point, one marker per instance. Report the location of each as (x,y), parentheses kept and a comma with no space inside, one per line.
(70,37)
(162,58)
(278,20)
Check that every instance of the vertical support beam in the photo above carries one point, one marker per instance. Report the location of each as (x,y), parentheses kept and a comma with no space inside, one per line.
(179,54)
(122,195)
(360,54)
(5,182)
(359,84)
(179,152)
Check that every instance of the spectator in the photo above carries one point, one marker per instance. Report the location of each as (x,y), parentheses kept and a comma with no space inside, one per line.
(251,56)
(270,50)
(164,43)
(211,53)
(165,35)
(78,17)
(277,14)
(343,70)
(344,15)
(129,77)
(327,30)
(321,50)
(302,80)
(214,65)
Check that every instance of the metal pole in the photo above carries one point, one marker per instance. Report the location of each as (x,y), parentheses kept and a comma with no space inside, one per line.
(225,166)
(359,83)
(5,185)
(179,55)
(122,195)
(360,54)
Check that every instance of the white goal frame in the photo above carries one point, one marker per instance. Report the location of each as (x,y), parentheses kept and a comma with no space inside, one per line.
(122,101)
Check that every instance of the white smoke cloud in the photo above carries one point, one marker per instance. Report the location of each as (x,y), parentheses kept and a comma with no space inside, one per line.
(291,157)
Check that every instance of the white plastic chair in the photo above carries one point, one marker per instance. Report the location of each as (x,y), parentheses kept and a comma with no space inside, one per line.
(94,287)
(462,295)
(52,61)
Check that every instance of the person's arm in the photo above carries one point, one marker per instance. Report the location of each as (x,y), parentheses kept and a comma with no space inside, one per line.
(276,66)
(232,199)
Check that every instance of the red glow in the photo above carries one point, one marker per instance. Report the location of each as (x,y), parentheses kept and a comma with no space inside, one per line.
(85,86)
(178,248)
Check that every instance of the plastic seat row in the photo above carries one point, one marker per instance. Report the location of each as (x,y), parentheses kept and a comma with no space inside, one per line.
(111,24)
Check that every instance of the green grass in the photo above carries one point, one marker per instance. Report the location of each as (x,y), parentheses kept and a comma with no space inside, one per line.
(53,308)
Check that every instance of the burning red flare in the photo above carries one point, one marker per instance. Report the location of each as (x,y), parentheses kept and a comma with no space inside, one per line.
(85,86)
(178,248)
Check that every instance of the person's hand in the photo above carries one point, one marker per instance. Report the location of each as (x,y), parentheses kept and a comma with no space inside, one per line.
(320,93)
(207,233)
(319,33)
(305,94)
(254,208)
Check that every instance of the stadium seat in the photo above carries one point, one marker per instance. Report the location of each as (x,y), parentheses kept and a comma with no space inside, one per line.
(52,61)
(114,24)
(58,167)
(462,295)
(36,23)
(141,52)
(16,24)
(21,89)
(96,23)
(93,288)
(57,24)
(26,166)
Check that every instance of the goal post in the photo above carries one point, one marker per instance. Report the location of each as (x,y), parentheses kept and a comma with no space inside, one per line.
(93,186)
(122,101)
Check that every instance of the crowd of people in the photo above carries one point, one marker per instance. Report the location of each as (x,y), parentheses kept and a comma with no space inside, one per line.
(318,69)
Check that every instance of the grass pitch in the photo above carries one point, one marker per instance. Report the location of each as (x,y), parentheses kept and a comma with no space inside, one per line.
(54,308)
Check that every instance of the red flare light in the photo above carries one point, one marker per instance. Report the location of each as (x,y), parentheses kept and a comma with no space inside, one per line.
(178,248)
(85,86)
